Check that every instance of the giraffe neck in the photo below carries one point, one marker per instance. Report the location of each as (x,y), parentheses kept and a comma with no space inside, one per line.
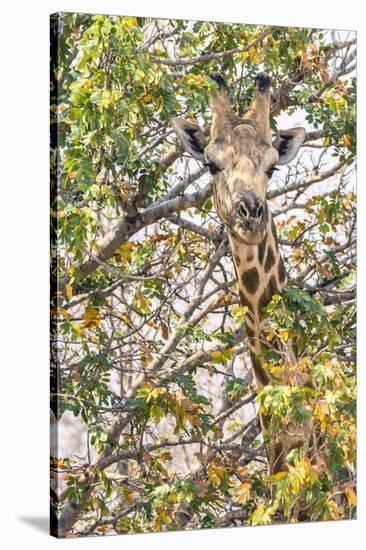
(261,274)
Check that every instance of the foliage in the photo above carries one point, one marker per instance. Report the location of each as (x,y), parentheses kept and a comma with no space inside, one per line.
(148,329)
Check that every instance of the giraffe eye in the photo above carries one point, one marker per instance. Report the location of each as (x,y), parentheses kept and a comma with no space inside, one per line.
(213,167)
(270,171)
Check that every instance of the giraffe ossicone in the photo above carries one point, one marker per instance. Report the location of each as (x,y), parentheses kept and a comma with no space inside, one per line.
(242,155)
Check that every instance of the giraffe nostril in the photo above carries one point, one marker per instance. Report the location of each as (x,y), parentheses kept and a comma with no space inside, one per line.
(260,211)
(243,211)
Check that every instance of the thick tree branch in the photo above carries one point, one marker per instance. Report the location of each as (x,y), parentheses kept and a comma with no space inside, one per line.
(129,225)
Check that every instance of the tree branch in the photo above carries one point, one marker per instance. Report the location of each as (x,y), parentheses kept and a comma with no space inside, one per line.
(129,225)
(209,56)
(236,515)
(307,181)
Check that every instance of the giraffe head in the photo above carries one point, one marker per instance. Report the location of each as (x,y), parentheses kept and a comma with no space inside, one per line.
(241,157)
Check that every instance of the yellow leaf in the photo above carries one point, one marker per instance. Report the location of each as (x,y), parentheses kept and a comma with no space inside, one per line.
(180,416)
(102,529)
(262,516)
(252,52)
(125,318)
(223,356)
(216,356)
(156,392)
(239,310)
(58,462)
(279,476)
(131,21)
(142,302)
(77,328)
(125,251)
(56,311)
(91,317)
(334,510)
(116,94)
(351,496)
(189,406)
(128,495)
(347,140)
(96,504)
(68,291)
(216,474)
(196,79)
(244,492)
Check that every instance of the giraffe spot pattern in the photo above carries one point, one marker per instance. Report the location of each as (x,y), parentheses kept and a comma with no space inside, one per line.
(244,300)
(250,280)
(261,375)
(267,294)
(274,233)
(281,271)
(270,260)
(262,249)
(272,285)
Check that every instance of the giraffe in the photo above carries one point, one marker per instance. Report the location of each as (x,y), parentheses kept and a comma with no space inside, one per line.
(241,156)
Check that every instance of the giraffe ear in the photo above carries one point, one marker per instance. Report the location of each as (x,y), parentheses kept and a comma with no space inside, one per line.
(191,137)
(288,143)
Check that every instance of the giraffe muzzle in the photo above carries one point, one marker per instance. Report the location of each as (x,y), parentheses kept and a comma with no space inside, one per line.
(249,218)
(251,211)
